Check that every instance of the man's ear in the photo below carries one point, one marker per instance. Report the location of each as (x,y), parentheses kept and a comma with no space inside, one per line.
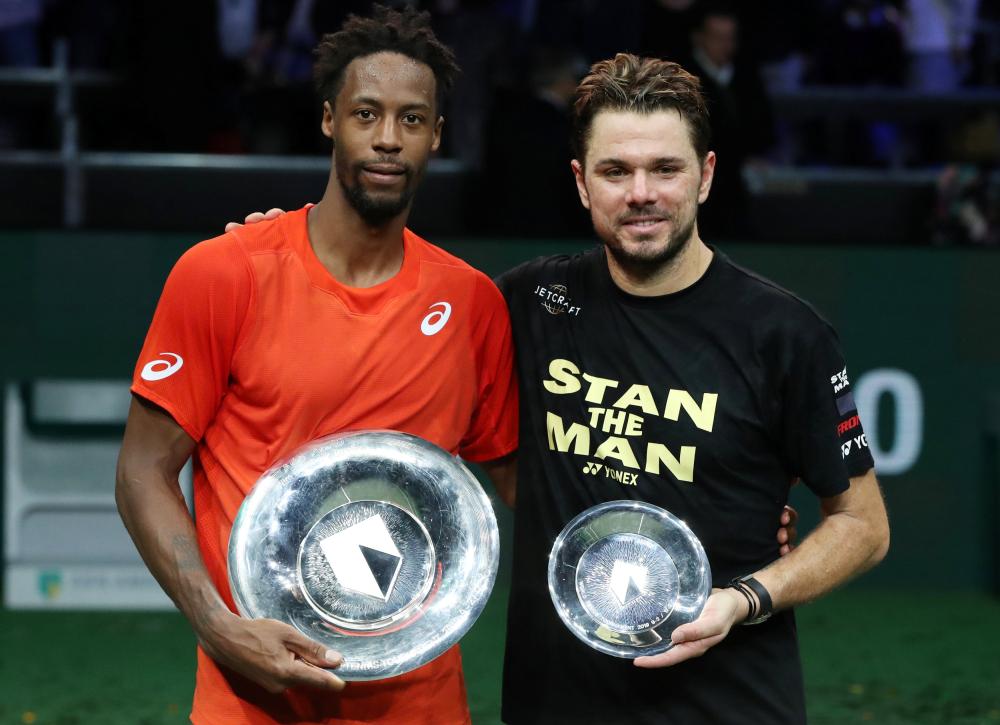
(438,125)
(707,174)
(581,183)
(327,124)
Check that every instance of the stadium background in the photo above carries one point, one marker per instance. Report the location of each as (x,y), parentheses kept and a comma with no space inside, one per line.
(92,227)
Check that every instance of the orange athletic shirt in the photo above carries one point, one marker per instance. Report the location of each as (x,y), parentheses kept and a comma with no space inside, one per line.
(255,349)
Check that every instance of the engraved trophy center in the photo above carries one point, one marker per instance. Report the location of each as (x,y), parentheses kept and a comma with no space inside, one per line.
(627,582)
(366,565)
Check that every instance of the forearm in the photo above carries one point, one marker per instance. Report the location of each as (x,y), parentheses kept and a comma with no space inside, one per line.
(848,541)
(836,551)
(273,654)
(853,537)
(157,519)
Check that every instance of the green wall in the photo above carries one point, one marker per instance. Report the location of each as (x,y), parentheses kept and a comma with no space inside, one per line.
(77,305)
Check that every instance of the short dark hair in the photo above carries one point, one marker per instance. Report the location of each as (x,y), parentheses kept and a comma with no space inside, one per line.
(713,9)
(643,85)
(407,32)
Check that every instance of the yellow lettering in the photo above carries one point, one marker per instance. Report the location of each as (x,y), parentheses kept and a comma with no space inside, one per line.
(634,425)
(595,416)
(614,421)
(563,382)
(619,449)
(640,396)
(560,439)
(595,393)
(703,415)
(683,469)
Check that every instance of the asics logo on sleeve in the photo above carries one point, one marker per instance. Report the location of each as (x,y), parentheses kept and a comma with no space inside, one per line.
(159,369)
(436,320)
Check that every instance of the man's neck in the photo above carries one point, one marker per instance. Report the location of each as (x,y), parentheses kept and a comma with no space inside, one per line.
(680,273)
(354,252)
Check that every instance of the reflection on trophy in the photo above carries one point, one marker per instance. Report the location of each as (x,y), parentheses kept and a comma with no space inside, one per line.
(378,544)
(624,574)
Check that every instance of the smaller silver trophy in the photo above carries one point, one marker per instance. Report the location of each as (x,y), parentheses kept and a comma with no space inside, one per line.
(377,544)
(624,574)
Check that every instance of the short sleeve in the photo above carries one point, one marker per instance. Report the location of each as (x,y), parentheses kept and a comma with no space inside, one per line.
(185,362)
(493,430)
(824,441)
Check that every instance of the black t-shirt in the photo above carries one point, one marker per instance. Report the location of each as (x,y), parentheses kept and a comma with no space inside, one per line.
(708,402)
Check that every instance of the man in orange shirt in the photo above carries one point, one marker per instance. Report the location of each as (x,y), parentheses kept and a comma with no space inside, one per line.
(273,335)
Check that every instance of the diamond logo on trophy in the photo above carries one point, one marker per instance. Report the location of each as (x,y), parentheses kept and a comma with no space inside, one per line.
(377,544)
(364,558)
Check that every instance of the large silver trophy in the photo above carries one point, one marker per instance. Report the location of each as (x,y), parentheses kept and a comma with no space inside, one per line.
(624,574)
(377,544)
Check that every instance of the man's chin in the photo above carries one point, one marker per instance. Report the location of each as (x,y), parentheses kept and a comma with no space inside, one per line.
(644,257)
(380,194)
(377,206)
(644,249)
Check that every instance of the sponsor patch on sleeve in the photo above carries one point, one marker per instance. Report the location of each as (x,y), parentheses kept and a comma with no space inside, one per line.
(849,430)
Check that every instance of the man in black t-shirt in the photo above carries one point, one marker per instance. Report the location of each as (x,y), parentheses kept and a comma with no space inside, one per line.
(654,368)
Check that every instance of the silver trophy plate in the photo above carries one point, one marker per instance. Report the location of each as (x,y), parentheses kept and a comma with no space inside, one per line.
(624,574)
(377,544)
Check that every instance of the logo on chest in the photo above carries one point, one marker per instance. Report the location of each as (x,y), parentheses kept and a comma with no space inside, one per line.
(436,319)
(600,469)
(555,300)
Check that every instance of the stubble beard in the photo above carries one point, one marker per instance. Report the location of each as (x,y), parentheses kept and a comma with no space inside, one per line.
(373,210)
(646,266)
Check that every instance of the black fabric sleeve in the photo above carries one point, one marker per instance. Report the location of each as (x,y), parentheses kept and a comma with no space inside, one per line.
(824,441)
(507,281)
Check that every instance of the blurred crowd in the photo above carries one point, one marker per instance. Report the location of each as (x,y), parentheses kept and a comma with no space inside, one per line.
(234,76)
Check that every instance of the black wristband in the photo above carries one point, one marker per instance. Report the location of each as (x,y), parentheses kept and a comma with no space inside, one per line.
(742,589)
(766,606)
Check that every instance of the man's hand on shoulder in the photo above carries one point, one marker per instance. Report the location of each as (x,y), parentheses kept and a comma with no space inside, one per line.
(273,654)
(788,532)
(724,608)
(257,217)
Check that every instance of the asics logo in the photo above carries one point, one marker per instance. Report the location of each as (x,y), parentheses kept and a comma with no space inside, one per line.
(432,324)
(159,369)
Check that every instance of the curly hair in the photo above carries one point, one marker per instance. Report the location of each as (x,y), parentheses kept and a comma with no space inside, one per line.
(642,85)
(407,32)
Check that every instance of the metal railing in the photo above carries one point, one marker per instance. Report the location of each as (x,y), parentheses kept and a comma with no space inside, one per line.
(74,166)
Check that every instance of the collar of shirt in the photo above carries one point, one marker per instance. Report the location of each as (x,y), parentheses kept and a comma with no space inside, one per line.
(723,76)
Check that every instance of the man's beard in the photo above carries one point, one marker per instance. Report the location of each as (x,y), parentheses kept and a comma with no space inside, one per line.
(645,266)
(373,210)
